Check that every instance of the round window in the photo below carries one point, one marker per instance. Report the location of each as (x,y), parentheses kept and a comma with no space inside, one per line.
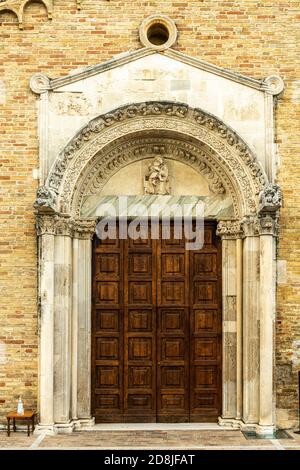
(158,32)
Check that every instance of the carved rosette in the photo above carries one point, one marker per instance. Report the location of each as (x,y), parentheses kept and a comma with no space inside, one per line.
(40,83)
(229,229)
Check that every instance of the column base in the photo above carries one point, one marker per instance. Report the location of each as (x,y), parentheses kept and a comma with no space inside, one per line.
(239,424)
(47,429)
(65,428)
(231,423)
(84,423)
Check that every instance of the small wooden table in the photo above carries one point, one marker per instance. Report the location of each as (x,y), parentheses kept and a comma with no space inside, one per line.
(28,416)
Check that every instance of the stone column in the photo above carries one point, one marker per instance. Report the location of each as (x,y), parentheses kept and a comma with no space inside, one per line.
(229,231)
(269,205)
(62,324)
(251,317)
(81,322)
(46,231)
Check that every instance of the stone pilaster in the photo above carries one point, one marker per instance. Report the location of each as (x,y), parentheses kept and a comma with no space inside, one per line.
(46,235)
(269,204)
(229,231)
(81,319)
(62,320)
(251,317)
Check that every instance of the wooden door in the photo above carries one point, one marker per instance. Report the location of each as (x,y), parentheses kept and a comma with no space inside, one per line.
(173,329)
(140,329)
(156,330)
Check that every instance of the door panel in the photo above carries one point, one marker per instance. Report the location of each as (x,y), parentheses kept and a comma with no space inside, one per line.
(156,347)
(139,330)
(205,329)
(107,327)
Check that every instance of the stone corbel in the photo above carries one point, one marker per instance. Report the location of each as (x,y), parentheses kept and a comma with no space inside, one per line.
(270,202)
(229,229)
(46,201)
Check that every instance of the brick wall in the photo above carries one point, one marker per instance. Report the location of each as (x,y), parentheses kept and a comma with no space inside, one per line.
(256,38)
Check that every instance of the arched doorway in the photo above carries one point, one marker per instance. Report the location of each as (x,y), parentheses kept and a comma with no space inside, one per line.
(205,144)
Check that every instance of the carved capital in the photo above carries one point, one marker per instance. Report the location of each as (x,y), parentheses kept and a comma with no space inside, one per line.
(45,201)
(270,199)
(229,229)
(45,224)
(250,226)
(268,224)
(63,226)
(40,83)
(84,229)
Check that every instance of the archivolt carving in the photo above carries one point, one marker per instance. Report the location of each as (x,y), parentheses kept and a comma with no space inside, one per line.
(138,148)
(228,153)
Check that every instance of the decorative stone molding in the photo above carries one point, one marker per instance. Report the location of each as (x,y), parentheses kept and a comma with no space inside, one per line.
(46,200)
(18,6)
(63,226)
(39,83)
(270,199)
(158,32)
(231,155)
(268,223)
(250,226)
(84,229)
(229,229)
(275,84)
(59,224)
(139,148)
(45,224)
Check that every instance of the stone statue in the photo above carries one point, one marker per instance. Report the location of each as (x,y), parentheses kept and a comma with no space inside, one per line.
(270,199)
(156,180)
(46,200)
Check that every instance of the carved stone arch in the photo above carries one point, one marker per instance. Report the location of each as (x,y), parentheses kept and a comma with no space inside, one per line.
(95,146)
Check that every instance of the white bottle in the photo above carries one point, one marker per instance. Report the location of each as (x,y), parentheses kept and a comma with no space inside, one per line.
(20,409)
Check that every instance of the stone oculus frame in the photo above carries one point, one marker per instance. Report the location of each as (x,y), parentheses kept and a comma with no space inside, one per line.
(65,241)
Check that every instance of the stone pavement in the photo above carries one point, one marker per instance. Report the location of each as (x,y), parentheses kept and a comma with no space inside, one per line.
(148,439)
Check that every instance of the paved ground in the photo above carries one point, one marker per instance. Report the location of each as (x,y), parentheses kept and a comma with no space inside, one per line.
(147,439)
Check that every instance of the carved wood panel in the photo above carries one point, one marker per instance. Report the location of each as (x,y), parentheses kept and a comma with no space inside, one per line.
(157,330)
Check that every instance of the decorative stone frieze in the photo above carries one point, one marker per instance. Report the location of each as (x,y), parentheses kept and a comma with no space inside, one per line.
(63,225)
(229,229)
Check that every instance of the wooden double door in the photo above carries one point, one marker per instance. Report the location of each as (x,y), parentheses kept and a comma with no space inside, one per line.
(156,330)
